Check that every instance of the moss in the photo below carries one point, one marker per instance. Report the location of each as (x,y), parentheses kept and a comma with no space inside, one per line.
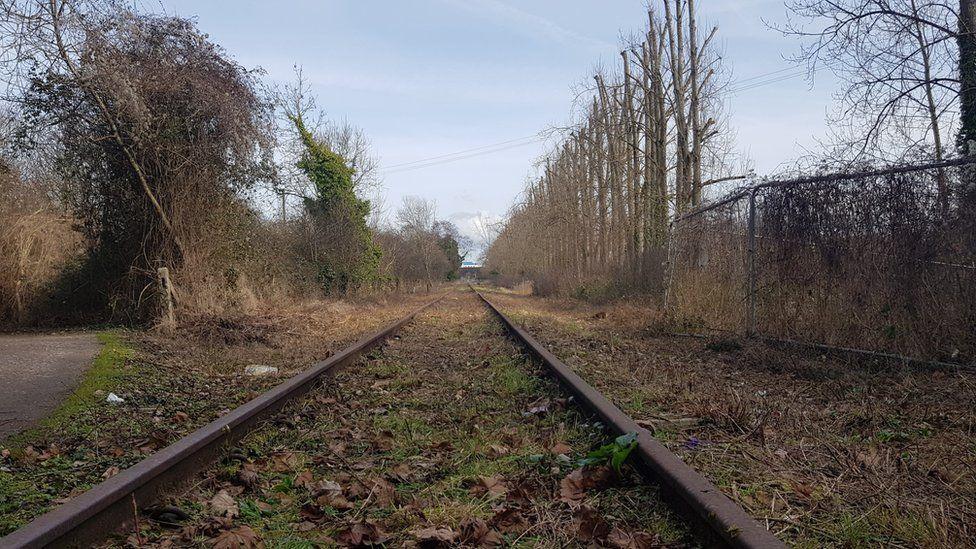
(105,374)
(20,494)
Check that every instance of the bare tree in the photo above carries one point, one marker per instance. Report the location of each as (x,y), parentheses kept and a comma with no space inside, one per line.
(104,86)
(416,218)
(899,62)
(644,148)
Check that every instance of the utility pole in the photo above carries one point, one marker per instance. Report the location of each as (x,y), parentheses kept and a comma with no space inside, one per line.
(967,76)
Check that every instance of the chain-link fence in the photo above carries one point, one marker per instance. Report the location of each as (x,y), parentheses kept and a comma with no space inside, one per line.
(881,261)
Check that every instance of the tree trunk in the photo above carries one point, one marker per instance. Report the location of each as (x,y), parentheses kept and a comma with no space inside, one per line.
(967,75)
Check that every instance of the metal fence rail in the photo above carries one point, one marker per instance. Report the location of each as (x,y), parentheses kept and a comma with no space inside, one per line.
(882,261)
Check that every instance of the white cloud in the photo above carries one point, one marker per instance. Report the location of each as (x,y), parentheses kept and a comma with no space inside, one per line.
(475,226)
(529,24)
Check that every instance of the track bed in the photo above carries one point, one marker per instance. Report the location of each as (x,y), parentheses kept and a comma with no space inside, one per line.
(823,451)
(449,435)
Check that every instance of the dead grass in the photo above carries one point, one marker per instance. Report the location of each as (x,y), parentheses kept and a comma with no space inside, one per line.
(173,384)
(829,453)
(36,244)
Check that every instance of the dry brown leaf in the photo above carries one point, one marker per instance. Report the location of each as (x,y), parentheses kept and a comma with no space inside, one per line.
(362,534)
(224,505)
(384,493)
(286,462)
(434,538)
(572,489)
(334,500)
(238,538)
(589,524)
(509,520)
(475,531)
(561,448)
(403,472)
(493,486)
(633,540)
(383,441)
(305,479)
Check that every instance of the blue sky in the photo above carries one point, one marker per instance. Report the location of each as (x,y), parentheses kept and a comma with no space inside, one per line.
(426,78)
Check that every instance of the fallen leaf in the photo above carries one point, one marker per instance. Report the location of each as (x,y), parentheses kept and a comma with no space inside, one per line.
(475,531)
(403,472)
(238,538)
(509,520)
(335,501)
(362,534)
(493,486)
(572,489)
(223,505)
(561,448)
(633,540)
(338,448)
(589,524)
(286,462)
(111,472)
(304,480)
(384,493)
(497,450)
(311,512)
(383,441)
(433,538)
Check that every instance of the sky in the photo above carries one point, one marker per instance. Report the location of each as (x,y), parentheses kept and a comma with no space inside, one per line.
(428,78)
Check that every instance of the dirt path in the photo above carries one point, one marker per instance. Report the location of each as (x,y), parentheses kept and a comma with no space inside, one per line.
(36,372)
(447,436)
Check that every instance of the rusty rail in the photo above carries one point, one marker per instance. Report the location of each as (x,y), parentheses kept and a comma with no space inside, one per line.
(115,503)
(727,523)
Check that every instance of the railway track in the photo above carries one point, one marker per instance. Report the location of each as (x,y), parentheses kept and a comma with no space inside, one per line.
(116,503)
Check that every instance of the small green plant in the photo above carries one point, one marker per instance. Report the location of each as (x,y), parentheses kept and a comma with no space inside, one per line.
(616,452)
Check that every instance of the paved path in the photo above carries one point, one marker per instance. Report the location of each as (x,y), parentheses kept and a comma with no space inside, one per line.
(36,372)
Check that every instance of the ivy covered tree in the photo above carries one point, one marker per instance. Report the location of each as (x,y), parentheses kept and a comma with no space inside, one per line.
(450,241)
(344,253)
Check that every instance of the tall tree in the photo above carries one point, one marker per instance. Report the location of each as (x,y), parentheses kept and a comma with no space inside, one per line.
(345,254)
(903,72)
(967,73)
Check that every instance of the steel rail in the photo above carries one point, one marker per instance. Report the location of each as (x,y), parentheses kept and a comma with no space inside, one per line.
(115,503)
(726,524)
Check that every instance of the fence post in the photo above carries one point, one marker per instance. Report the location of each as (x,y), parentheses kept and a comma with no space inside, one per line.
(166,294)
(751,267)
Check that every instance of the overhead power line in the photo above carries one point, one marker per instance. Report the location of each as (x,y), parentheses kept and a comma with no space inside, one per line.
(745,84)
(465,154)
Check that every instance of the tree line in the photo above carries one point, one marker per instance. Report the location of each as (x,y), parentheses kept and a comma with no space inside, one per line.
(650,140)
(130,141)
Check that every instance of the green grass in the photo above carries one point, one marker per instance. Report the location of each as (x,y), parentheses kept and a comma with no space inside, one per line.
(105,374)
(23,494)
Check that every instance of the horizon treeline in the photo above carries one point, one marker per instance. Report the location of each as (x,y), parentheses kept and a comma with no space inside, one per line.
(649,139)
